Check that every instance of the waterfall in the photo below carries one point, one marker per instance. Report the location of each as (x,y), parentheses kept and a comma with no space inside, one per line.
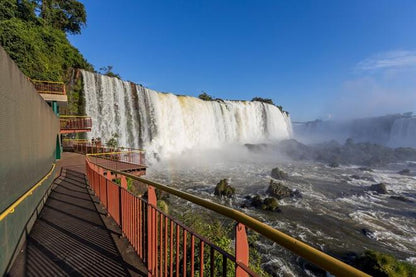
(403,132)
(165,124)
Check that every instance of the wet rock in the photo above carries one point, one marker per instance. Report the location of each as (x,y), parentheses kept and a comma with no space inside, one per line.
(401,198)
(333,164)
(280,191)
(368,233)
(365,178)
(404,172)
(382,264)
(278,174)
(366,169)
(224,189)
(257,147)
(267,204)
(379,188)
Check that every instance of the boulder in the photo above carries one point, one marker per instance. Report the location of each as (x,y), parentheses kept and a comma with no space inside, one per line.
(280,191)
(333,164)
(379,188)
(224,189)
(401,198)
(267,204)
(368,233)
(367,169)
(404,172)
(278,174)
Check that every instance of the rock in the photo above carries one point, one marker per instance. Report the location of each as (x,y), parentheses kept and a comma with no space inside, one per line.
(278,174)
(401,198)
(368,233)
(404,172)
(270,204)
(367,169)
(333,164)
(366,178)
(224,189)
(267,204)
(379,188)
(382,264)
(280,191)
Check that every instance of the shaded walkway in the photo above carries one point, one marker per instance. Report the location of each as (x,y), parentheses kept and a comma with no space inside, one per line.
(70,236)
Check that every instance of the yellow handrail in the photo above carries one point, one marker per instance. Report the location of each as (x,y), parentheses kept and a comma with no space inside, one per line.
(11,208)
(300,248)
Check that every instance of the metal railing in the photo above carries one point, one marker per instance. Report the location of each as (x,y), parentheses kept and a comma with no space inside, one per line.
(49,87)
(120,154)
(74,122)
(169,248)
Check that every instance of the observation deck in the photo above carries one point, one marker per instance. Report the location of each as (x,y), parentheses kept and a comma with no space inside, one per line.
(51,91)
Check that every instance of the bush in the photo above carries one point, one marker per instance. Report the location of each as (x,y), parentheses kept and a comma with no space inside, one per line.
(204,96)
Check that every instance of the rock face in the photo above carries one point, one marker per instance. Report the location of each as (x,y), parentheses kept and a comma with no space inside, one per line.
(267,204)
(224,189)
(379,188)
(278,174)
(280,191)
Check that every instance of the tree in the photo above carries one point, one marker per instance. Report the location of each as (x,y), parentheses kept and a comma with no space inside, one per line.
(108,71)
(204,96)
(8,9)
(67,15)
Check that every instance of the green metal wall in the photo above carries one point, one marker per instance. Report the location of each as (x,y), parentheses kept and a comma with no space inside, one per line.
(28,132)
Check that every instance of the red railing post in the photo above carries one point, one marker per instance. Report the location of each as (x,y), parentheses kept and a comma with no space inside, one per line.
(151,230)
(241,250)
(123,182)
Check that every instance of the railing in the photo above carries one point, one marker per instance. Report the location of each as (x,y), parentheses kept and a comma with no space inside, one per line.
(120,154)
(169,248)
(71,122)
(48,87)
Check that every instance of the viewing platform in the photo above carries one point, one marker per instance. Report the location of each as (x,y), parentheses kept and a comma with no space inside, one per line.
(75,124)
(51,91)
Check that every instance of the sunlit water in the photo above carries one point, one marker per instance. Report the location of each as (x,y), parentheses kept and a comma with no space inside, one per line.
(331,214)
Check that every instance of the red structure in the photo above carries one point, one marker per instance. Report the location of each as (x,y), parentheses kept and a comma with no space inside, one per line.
(161,241)
(75,124)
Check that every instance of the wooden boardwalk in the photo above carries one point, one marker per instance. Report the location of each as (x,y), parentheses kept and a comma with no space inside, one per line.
(73,236)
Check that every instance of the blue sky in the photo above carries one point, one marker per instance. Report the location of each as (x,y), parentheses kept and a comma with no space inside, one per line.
(318,59)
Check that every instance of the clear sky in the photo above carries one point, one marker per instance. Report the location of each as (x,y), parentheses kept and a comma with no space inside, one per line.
(318,59)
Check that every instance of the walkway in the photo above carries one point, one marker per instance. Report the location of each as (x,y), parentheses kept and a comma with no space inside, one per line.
(73,236)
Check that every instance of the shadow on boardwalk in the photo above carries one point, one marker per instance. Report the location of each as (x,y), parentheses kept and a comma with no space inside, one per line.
(71,238)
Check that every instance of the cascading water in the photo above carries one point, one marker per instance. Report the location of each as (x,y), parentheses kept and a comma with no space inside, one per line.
(403,132)
(164,123)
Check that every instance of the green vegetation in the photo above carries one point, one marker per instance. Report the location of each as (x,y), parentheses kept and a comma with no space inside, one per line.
(108,71)
(380,264)
(206,97)
(270,101)
(264,100)
(33,33)
(224,189)
(76,101)
(113,141)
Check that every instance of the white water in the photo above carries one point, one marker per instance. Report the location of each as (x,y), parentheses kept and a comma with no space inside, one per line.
(165,124)
(403,132)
